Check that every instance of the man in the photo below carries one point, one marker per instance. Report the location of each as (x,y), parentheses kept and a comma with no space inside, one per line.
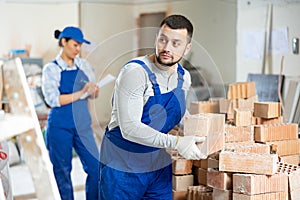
(149,100)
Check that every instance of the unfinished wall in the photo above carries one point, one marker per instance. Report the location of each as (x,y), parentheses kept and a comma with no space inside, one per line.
(253,15)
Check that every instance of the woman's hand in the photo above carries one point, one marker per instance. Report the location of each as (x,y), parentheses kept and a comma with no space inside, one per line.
(92,89)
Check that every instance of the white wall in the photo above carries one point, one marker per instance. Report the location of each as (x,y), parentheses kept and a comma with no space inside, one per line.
(252,15)
(34,24)
(111,27)
(215,30)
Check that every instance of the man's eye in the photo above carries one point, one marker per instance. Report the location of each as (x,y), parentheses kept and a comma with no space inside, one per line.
(176,44)
(162,40)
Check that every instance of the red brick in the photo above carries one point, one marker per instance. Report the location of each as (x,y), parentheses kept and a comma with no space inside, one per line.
(248,162)
(197,107)
(181,183)
(181,166)
(221,194)
(238,134)
(274,132)
(267,109)
(219,180)
(251,184)
(267,196)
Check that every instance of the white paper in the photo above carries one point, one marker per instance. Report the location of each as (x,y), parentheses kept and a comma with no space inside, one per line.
(104,81)
(253,44)
(279,41)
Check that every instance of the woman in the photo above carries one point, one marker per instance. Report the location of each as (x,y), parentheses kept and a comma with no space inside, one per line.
(65,82)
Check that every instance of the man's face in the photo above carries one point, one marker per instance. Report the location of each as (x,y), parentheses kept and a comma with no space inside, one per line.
(171,45)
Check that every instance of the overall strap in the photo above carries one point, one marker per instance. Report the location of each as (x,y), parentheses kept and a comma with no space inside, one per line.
(151,75)
(180,73)
(55,62)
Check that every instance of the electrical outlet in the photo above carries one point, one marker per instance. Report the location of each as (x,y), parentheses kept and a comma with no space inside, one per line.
(295,45)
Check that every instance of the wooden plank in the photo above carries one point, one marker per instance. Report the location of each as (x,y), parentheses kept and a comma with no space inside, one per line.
(248,162)
(36,154)
(295,104)
(289,99)
(13,125)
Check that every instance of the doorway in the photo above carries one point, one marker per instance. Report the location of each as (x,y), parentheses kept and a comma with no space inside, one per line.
(148,24)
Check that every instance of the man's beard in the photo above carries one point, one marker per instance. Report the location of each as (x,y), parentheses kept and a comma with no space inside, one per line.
(166,64)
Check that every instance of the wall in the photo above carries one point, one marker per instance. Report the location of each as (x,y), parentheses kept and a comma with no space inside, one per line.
(215,31)
(34,24)
(111,28)
(252,15)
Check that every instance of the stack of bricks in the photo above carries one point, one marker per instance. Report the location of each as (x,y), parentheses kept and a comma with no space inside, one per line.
(253,159)
(282,135)
(239,102)
(267,113)
(182,177)
(255,165)
(211,126)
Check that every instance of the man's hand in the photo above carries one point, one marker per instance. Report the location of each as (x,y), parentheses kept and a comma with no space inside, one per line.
(186,147)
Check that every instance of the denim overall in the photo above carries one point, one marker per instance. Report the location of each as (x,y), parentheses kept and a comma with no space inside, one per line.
(70,126)
(133,171)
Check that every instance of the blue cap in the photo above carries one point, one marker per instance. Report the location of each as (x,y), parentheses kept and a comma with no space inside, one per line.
(73,33)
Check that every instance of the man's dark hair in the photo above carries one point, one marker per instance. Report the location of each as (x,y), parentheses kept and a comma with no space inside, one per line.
(179,22)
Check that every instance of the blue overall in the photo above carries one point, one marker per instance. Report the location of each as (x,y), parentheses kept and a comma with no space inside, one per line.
(133,171)
(70,126)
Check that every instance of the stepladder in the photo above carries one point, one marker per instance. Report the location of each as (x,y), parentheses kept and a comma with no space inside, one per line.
(22,121)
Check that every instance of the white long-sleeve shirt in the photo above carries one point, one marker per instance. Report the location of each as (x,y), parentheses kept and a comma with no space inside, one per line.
(132,90)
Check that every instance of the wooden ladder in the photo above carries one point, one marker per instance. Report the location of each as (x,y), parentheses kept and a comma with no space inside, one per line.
(22,121)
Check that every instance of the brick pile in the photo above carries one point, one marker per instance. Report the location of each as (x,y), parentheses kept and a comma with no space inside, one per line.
(252,154)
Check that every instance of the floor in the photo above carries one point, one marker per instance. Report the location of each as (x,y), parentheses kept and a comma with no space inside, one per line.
(22,185)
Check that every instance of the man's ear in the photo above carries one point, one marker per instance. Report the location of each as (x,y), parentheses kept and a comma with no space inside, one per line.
(188,48)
